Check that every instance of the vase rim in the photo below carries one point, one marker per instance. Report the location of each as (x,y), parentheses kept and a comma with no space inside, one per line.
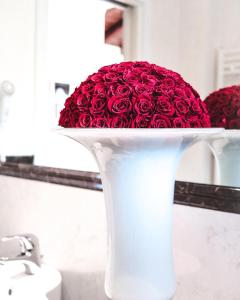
(231,134)
(140,131)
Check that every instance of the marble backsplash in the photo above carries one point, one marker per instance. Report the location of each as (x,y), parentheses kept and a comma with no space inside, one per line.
(70,223)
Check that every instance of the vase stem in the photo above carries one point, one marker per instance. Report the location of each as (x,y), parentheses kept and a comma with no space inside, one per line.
(138,188)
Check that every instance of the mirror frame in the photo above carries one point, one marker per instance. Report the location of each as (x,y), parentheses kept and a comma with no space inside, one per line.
(214,197)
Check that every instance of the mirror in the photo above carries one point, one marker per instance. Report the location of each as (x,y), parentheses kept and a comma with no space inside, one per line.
(48,47)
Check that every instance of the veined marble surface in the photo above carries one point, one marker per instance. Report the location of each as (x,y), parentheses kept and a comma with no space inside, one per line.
(70,223)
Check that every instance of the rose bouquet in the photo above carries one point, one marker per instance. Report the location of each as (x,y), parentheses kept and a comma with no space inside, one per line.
(224,107)
(134,95)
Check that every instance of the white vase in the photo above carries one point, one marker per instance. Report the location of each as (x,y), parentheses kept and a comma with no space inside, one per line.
(137,168)
(226,150)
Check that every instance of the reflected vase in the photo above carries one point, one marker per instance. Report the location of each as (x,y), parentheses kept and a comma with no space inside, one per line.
(137,168)
(226,150)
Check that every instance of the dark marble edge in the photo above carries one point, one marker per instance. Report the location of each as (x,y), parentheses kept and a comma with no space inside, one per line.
(81,179)
(221,198)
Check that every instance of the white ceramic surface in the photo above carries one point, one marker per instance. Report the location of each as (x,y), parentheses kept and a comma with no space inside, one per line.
(138,168)
(226,150)
(15,284)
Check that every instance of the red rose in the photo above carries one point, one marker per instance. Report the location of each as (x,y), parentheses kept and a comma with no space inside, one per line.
(148,79)
(238,112)
(180,93)
(100,122)
(64,119)
(190,93)
(236,100)
(166,87)
(118,105)
(194,122)
(87,88)
(120,90)
(160,72)
(222,100)
(180,123)
(196,107)
(168,84)
(210,105)
(100,89)
(131,76)
(69,116)
(140,69)
(181,107)
(143,89)
(98,106)
(84,120)
(122,66)
(229,110)
(203,106)
(119,68)
(163,89)
(164,106)
(83,103)
(96,77)
(105,69)
(141,122)
(234,124)
(120,121)
(69,101)
(159,121)
(143,105)
(220,121)
(111,77)
(140,64)
(74,116)
(205,121)
(158,90)
(224,106)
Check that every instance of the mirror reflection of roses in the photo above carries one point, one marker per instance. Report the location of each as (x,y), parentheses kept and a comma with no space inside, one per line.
(134,95)
(224,107)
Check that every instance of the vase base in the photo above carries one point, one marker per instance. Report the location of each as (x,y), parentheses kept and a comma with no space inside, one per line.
(132,289)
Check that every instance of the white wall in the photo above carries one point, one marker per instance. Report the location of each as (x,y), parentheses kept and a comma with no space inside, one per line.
(160,32)
(17,36)
(184,35)
(207,27)
(70,224)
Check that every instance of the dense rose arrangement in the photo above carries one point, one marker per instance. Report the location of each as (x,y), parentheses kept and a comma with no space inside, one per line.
(134,95)
(224,107)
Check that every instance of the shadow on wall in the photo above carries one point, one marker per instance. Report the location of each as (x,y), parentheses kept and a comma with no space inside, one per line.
(83,286)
